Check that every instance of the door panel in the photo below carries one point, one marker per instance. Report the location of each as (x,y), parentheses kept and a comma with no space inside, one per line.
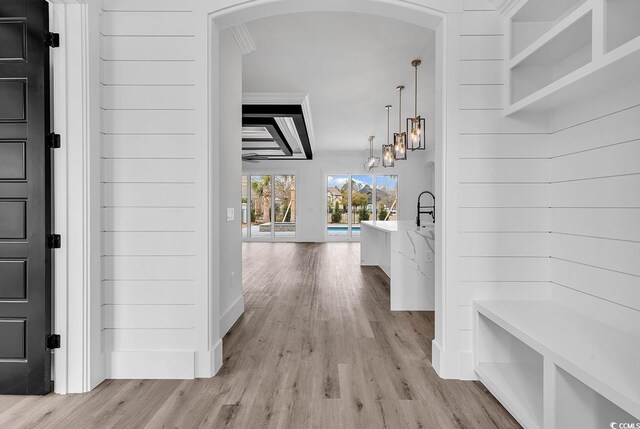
(14,280)
(13,33)
(25,275)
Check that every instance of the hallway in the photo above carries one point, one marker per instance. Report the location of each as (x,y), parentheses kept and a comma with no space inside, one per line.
(316,347)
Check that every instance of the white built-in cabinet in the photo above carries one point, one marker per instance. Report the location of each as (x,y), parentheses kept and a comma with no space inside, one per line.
(554,368)
(557,49)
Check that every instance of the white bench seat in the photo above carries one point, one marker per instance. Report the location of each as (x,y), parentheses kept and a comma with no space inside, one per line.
(605,359)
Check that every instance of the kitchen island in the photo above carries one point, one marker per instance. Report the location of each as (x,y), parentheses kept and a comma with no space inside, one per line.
(405,252)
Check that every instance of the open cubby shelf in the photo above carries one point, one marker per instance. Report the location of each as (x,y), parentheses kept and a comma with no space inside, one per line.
(536,18)
(557,48)
(552,367)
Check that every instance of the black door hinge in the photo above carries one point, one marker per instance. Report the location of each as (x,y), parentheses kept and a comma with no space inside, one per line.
(54,241)
(53,341)
(52,40)
(53,141)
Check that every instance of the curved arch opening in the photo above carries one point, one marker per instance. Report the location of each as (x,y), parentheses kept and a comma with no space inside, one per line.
(431,16)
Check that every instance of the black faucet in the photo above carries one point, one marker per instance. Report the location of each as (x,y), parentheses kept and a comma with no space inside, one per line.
(425,209)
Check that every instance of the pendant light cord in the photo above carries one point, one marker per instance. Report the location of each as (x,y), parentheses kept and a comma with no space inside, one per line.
(400,110)
(388,122)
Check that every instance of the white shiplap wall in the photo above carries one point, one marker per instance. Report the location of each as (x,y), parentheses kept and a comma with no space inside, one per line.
(595,205)
(149,187)
(504,219)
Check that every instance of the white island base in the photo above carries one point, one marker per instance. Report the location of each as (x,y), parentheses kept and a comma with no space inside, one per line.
(406,254)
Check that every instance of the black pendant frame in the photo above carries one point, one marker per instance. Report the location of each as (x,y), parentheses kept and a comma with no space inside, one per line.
(422,142)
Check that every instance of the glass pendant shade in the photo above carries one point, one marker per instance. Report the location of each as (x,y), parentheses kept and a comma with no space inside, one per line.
(388,159)
(400,138)
(416,126)
(373,161)
(400,146)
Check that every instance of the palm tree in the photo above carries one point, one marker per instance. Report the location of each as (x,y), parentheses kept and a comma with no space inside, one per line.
(262,189)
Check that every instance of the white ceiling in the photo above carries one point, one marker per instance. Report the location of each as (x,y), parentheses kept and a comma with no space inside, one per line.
(350,65)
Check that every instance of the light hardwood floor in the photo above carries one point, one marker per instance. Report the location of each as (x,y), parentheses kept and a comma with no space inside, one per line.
(317,347)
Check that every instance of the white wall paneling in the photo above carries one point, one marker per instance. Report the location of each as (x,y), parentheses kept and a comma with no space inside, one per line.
(148,97)
(481,47)
(481,96)
(504,220)
(595,204)
(148,73)
(150,185)
(148,219)
(157,267)
(150,23)
(532,195)
(148,5)
(125,292)
(504,244)
(148,195)
(148,146)
(134,48)
(479,72)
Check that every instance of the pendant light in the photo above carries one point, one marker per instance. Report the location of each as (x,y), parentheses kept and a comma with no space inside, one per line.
(416,128)
(373,161)
(400,138)
(387,149)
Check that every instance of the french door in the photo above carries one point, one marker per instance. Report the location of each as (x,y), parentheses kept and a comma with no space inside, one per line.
(354,198)
(269,207)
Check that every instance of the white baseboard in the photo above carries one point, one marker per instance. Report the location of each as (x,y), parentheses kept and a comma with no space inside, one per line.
(466,366)
(209,362)
(218,358)
(150,364)
(445,364)
(232,313)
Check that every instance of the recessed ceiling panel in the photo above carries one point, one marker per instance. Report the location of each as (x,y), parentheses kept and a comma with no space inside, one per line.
(274,132)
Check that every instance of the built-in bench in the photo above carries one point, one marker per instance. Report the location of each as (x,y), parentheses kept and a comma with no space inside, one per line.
(552,367)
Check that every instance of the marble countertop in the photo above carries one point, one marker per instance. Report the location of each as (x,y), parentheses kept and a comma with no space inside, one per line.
(397,226)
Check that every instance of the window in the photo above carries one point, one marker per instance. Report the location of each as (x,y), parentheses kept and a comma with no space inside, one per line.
(361,198)
(350,201)
(387,197)
(285,206)
(269,206)
(338,206)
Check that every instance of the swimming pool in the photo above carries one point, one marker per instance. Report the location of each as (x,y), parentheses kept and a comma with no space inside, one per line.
(342,228)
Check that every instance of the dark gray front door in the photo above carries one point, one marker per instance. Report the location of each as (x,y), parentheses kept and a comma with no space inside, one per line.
(25,273)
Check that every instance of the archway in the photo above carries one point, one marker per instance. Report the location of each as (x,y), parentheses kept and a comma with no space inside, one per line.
(432,15)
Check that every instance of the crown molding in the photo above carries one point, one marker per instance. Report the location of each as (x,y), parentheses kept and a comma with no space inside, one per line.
(243,38)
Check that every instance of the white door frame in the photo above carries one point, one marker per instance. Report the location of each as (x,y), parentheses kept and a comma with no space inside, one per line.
(439,15)
(78,365)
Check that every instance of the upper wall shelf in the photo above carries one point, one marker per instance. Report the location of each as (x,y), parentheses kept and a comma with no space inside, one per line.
(535,18)
(559,49)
